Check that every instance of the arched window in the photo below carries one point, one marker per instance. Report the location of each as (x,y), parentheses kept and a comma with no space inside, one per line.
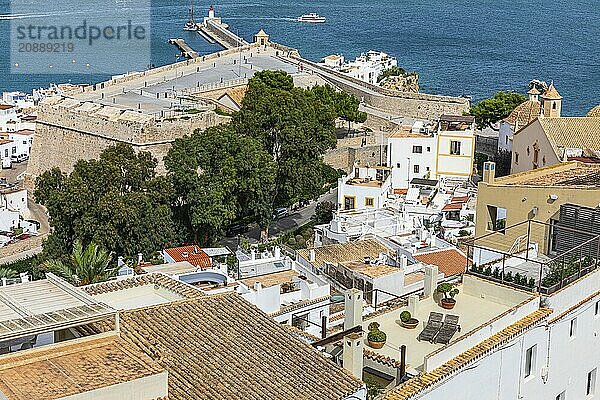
(554,105)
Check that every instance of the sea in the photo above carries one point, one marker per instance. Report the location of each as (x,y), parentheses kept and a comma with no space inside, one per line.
(458,47)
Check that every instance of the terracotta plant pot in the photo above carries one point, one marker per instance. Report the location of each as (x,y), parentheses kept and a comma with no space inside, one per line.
(448,304)
(376,345)
(411,323)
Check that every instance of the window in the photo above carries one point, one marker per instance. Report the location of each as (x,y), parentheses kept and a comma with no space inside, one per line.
(398,165)
(530,356)
(561,396)
(428,149)
(591,383)
(573,328)
(349,202)
(516,158)
(554,105)
(416,169)
(6,153)
(417,149)
(426,168)
(455,147)
(597,308)
(14,150)
(369,201)
(24,141)
(496,219)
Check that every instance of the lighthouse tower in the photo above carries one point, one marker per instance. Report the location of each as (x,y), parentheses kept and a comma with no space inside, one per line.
(211,16)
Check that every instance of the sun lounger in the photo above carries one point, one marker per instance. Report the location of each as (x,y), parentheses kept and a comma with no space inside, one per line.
(431,329)
(448,329)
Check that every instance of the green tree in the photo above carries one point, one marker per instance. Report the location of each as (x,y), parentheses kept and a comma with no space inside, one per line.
(85,266)
(115,201)
(219,176)
(392,71)
(491,110)
(295,126)
(346,106)
(324,212)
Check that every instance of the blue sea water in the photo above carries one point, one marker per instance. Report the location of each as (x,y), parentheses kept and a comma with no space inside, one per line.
(458,47)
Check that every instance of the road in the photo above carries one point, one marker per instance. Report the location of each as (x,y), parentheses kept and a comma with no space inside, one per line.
(292,221)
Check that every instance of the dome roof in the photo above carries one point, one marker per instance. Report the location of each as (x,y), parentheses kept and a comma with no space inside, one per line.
(594,112)
(524,113)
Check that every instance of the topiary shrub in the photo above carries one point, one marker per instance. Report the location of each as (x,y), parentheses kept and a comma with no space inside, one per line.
(373,326)
(376,335)
(405,316)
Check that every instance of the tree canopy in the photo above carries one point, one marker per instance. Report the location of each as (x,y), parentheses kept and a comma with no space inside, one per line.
(115,201)
(491,110)
(217,177)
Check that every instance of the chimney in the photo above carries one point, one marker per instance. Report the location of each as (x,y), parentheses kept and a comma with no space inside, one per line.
(311,255)
(257,286)
(120,261)
(352,354)
(253,255)
(353,308)
(403,261)
(24,277)
(489,172)
(185,254)
(413,304)
(140,258)
(431,276)
(277,252)
(433,241)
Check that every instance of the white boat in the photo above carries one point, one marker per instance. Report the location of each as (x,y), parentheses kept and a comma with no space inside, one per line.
(312,18)
(191,24)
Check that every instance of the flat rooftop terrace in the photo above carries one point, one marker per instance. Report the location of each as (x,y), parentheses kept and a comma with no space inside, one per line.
(478,305)
(152,91)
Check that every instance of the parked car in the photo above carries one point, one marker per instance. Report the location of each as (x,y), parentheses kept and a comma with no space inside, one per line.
(280,213)
(19,158)
(6,163)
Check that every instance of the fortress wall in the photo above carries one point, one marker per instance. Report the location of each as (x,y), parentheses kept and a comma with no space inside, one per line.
(65,136)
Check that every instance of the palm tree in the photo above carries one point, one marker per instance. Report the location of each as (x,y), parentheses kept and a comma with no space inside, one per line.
(7,273)
(84,266)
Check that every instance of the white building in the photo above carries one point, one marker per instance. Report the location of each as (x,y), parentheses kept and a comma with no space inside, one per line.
(364,188)
(367,67)
(444,152)
(22,141)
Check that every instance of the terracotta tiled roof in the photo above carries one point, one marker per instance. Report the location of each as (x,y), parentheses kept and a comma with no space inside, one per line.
(176,286)
(459,199)
(381,359)
(551,93)
(572,132)
(413,387)
(221,347)
(268,280)
(299,305)
(594,112)
(400,191)
(342,252)
(5,141)
(72,367)
(524,113)
(192,254)
(449,262)
(452,207)
(533,90)
(25,132)
(5,106)
(573,174)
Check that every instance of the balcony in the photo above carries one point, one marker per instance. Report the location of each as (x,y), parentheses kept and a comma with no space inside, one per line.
(534,256)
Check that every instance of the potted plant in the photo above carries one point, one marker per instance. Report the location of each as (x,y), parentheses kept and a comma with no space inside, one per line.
(449,291)
(376,338)
(408,321)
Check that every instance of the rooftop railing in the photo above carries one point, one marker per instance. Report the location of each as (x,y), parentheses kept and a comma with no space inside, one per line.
(531,255)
